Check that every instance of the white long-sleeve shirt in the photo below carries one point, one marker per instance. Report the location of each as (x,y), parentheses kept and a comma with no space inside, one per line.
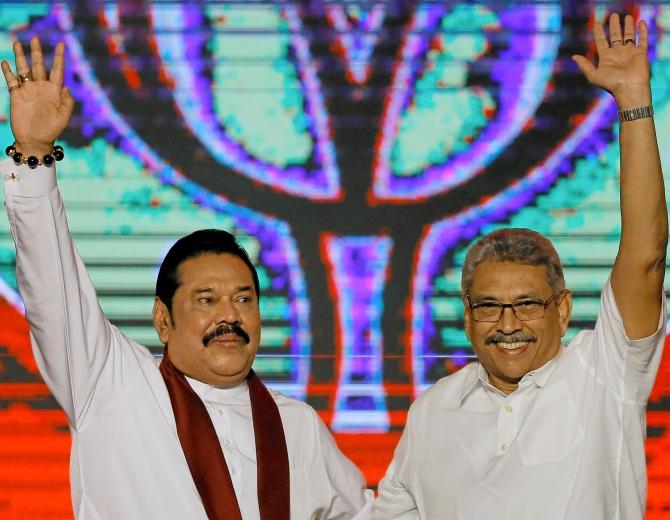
(127,462)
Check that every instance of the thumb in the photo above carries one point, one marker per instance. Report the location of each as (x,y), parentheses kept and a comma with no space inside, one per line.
(67,101)
(584,65)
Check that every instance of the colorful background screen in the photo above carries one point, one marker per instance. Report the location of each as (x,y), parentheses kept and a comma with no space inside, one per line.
(357,148)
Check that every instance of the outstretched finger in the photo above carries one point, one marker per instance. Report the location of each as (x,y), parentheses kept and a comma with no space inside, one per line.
(20,58)
(643,35)
(37,59)
(10,78)
(599,38)
(56,74)
(628,30)
(615,30)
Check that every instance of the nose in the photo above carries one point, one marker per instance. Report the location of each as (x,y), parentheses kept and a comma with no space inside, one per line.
(227,312)
(508,322)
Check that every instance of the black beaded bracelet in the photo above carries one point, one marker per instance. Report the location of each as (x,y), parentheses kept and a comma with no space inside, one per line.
(32,161)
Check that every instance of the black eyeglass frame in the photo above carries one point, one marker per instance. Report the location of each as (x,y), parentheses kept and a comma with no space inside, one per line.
(503,306)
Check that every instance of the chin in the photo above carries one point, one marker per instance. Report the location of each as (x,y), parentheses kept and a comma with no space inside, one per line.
(231,371)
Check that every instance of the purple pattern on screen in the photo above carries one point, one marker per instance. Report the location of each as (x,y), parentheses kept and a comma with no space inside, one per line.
(359,272)
(179,40)
(522,88)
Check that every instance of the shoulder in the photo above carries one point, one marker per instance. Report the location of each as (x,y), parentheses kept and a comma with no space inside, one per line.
(447,393)
(284,400)
(295,409)
(304,429)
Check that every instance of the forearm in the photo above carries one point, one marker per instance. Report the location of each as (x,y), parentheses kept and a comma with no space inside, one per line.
(644,223)
(639,269)
(623,70)
(69,333)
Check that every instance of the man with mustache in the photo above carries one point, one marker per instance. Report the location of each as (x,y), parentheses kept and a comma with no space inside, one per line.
(535,429)
(199,437)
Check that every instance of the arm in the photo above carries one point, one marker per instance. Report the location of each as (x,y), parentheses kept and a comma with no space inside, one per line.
(69,333)
(394,500)
(349,496)
(639,269)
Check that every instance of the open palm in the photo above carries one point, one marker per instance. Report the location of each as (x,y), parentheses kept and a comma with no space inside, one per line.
(39,108)
(621,66)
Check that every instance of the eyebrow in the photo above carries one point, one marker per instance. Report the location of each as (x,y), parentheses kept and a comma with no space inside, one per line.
(518,298)
(242,288)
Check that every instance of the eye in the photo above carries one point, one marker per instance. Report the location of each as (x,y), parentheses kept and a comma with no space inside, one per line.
(528,304)
(204,300)
(486,305)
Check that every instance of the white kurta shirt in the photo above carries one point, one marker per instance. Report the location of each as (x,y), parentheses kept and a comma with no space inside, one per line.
(568,444)
(126,461)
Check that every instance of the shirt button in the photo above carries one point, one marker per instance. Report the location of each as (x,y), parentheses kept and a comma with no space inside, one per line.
(508,408)
(220,412)
(503,447)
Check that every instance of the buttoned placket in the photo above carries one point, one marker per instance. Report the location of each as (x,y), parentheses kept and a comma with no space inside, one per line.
(222,422)
(510,416)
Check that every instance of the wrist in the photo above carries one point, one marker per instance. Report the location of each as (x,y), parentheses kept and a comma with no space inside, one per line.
(633,97)
(32,148)
(33,161)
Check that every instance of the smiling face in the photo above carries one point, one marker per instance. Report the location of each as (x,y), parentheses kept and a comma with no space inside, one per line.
(214,329)
(510,348)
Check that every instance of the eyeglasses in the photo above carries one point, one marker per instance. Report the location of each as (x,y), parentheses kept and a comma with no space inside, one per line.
(524,310)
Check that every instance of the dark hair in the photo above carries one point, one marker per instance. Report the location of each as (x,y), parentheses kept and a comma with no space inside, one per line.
(520,245)
(197,243)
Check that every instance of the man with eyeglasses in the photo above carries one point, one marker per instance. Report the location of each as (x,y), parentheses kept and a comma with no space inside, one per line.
(534,429)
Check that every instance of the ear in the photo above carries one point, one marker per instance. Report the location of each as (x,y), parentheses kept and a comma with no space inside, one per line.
(564,310)
(467,320)
(162,320)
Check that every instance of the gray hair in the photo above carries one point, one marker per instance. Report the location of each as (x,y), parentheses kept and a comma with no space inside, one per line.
(519,245)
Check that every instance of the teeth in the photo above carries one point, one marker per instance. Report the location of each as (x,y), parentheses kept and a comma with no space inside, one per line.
(512,346)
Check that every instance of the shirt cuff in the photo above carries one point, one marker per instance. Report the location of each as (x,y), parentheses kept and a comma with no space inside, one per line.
(24,181)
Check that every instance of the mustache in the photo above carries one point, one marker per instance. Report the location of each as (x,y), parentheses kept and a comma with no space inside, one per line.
(517,337)
(224,329)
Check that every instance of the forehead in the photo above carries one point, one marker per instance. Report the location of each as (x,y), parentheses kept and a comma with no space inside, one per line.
(509,280)
(215,268)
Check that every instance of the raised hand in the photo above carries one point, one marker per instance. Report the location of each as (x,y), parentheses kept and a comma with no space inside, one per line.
(40,106)
(623,66)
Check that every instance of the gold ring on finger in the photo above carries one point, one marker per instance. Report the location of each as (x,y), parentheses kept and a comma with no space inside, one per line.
(13,88)
(26,77)
(628,41)
(616,42)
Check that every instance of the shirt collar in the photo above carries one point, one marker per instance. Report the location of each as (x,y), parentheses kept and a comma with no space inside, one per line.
(541,375)
(472,379)
(220,395)
(479,376)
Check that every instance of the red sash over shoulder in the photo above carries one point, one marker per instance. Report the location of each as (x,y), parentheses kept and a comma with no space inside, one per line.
(205,458)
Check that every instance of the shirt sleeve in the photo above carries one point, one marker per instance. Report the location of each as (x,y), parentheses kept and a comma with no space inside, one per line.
(394,500)
(627,366)
(350,498)
(69,334)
